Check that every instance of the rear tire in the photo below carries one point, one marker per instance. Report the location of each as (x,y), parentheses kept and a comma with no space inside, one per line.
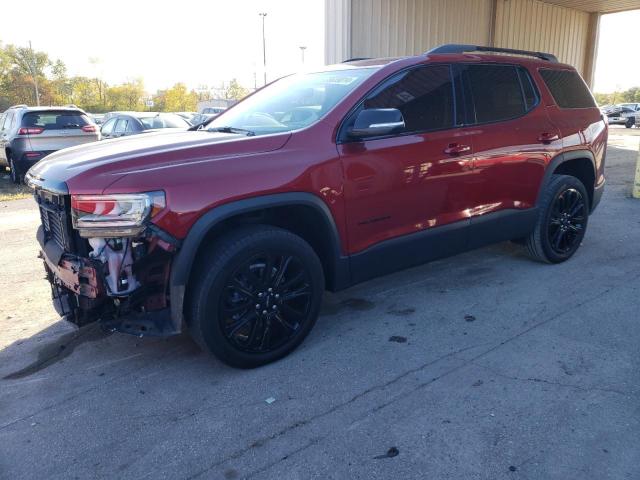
(562,221)
(16,175)
(256,295)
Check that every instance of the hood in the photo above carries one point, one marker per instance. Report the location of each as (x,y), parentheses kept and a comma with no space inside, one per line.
(91,168)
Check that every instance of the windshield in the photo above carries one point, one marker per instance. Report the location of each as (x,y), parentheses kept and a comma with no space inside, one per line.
(164,121)
(291,103)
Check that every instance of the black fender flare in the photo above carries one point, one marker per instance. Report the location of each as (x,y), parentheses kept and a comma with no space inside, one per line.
(560,159)
(183,261)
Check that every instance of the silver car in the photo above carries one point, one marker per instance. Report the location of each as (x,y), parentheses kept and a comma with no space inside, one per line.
(28,134)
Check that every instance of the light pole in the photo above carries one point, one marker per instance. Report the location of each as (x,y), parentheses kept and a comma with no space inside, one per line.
(264,49)
(302,49)
(32,67)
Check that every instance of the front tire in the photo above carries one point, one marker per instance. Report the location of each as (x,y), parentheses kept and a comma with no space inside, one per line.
(630,123)
(256,295)
(562,221)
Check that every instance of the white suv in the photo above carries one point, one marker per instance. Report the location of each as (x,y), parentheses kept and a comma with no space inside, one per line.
(28,134)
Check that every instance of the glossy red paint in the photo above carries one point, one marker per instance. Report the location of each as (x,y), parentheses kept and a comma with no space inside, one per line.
(376,189)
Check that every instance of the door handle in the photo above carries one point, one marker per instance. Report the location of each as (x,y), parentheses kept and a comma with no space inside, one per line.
(457,149)
(548,137)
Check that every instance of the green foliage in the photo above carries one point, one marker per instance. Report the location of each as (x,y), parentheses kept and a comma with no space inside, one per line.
(128,96)
(20,68)
(176,99)
(234,91)
(631,95)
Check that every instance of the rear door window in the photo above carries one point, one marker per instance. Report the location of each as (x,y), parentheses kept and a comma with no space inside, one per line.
(567,88)
(55,120)
(497,93)
(121,126)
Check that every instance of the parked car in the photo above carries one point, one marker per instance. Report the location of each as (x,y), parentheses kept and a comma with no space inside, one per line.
(632,106)
(619,115)
(29,134)
(213,110)
(200,118)
(98,118)
(237,228)
(133,123)
(188,116)
(109,115)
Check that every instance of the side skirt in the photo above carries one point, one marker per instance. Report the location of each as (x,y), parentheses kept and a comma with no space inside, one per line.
(440,242)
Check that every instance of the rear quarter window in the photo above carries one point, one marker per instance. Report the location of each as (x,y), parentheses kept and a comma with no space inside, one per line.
(55,120)
(567,88)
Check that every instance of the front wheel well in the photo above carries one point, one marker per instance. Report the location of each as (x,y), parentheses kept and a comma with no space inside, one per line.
(582,169)
(302,220)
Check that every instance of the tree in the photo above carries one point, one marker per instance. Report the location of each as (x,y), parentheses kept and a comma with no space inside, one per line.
(128,96)
(178,99)
(234,91)
(29,64)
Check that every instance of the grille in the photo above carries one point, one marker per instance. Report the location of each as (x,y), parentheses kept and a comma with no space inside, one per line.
(54,214)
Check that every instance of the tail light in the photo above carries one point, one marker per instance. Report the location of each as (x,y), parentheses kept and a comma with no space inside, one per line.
(117,215)
(89,128)
(30,130)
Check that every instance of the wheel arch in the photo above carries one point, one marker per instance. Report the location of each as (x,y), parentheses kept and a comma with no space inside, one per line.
(301,213)
(577,163)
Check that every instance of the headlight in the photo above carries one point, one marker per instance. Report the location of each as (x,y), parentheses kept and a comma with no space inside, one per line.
(118,215)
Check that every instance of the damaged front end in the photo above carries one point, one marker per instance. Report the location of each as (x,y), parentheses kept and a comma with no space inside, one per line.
(106,261)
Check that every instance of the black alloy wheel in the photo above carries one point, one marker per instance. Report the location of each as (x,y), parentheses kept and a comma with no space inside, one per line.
(562,220)
(567,222)
(255,295)
(266,300)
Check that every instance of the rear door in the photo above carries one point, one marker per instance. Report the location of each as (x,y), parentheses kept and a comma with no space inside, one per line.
(53,130)
(513,141)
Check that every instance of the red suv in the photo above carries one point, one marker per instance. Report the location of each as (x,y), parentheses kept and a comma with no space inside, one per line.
(319,181)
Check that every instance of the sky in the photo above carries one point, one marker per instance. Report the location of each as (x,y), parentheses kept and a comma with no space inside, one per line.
(205,43)
(618,67)
(192,41)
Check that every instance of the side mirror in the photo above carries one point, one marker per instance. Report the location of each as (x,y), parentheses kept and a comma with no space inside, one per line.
(377,121)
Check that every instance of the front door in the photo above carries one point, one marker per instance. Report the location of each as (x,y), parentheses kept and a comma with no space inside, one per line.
(400,187)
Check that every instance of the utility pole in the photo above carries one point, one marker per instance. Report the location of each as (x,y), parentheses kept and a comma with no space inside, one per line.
(264,49)
(32,67)
(302,49)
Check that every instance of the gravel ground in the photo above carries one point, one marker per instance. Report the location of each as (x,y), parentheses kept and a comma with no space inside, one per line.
(510,369)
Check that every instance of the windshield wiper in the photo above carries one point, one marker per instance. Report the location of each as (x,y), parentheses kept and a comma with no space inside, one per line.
(248,133)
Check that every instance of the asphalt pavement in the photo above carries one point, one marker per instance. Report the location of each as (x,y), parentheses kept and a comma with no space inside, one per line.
(486,365)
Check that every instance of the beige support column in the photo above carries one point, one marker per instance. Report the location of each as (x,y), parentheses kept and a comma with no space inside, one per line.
(636,181)
(337,31)
(591,49)
(492,25)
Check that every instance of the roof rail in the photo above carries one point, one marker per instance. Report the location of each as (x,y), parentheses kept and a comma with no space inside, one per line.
(355,59)
(22,105)
(455,48)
